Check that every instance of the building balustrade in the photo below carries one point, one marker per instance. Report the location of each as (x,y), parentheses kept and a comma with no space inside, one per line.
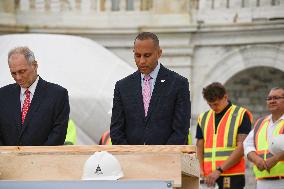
(233,4)
(137,13)
(135,5)
(84,6)
(238,11)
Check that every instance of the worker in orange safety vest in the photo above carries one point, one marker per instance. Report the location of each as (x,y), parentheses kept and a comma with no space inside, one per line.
(220,134)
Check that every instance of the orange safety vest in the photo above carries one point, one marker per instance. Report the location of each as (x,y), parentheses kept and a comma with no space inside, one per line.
(106,140)
(261,145)
(218,147)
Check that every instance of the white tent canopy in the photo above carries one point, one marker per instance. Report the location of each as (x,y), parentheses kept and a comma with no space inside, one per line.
(85,68)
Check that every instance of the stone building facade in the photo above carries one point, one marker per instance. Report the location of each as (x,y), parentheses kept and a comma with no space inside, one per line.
(237,42)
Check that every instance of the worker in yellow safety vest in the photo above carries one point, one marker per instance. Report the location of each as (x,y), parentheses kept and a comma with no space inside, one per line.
(263,149)
(105,139)
(71,135)
(220,134)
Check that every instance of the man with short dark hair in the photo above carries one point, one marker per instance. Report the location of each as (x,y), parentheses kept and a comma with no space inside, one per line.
(220,133)
(268,167)
(32,111)
(152,105)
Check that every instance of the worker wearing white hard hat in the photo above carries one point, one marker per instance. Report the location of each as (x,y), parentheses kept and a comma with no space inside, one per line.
(264,146)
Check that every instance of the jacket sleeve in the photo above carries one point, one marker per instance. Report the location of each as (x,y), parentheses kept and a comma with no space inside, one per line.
(61,117)
(181,115)
(117,126)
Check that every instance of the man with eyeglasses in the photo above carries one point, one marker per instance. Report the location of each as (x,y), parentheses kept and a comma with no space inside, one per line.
(268,168)
(220,134)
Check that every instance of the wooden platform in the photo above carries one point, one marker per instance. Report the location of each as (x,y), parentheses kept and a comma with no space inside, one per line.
(66,163)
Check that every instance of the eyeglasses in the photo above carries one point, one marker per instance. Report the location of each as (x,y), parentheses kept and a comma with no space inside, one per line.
(274,98)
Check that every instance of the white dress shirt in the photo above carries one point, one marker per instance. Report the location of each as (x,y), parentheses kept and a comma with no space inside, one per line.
(32,89)
(249,141)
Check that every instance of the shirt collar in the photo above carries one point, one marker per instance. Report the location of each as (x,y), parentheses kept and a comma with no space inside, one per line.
(271,121)
(32,88)
(225,109)
(154,73)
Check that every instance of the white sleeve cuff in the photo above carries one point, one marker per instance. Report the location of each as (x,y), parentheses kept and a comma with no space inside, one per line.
(249,149)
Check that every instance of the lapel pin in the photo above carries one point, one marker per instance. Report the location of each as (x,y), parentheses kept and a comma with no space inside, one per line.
(163,80)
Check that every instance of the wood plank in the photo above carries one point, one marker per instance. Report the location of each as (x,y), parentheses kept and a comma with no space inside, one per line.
(93,148)
(152,167)
(158,162)
(149,166)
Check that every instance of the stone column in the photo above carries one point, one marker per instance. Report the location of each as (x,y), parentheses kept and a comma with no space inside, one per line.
(205,4)
(7,12)
(40,5)
(220,4)
(235,3)
(170,6)
(137,5)
(7,6)
(55,6)
(86,6)
(265,3)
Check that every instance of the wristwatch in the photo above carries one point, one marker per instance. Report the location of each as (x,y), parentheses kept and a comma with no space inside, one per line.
(219,169)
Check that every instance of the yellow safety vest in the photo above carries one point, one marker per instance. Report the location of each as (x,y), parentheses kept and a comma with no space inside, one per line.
(261,144)
(71,136)
(218,147)
(189,138)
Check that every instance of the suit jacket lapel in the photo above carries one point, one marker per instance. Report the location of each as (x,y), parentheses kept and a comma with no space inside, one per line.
(138,92)
(17,107)
(158,90)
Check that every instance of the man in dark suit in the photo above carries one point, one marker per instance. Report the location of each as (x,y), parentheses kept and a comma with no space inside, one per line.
(32,111)
(152,105)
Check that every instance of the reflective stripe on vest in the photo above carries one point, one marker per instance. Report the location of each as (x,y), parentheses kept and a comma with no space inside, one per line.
(218,147)
(106,140)
(261,145)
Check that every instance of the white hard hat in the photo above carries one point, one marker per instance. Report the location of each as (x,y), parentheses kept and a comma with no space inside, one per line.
(276,144)
(102,166)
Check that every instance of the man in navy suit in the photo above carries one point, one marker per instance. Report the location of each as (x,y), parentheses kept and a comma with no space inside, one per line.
(32,111)
(152,105)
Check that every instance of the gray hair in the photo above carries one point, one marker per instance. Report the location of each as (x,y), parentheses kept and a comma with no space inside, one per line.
(29,55)
(276,88)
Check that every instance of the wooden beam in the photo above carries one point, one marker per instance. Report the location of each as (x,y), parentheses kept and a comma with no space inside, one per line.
(158,162)
(149,166)
(94,148)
